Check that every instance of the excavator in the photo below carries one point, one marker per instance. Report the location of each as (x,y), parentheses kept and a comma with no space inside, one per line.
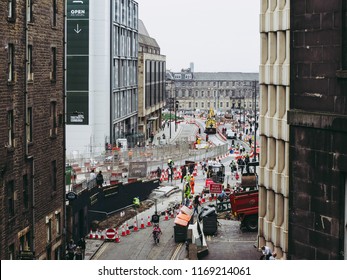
(210,124)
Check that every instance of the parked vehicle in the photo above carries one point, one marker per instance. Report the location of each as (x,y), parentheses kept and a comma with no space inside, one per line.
(231,134)
(244,202)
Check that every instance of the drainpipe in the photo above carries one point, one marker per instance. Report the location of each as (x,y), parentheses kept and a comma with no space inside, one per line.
(29,158)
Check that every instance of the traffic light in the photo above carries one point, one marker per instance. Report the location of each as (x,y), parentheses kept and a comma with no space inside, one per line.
(177,104)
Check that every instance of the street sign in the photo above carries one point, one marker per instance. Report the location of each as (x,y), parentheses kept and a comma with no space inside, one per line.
(71,196)
(110,233)
(216,188)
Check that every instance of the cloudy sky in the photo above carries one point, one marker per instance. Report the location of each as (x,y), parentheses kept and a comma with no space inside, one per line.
(218,36)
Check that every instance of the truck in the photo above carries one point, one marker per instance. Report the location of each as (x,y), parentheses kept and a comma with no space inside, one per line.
(244,202)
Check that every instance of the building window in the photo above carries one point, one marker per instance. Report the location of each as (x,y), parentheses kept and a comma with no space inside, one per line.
(227,104)
(10,198)
(30,75)
(49,230)
(208,104)
(29,11)
(53,116)
(25,192)
(54,13)
(54,64)
(29,125)
(54,175)
(190,104)
(10,129)
(57,223)
(221,104)
(10,62)
(202,104)
(11,9)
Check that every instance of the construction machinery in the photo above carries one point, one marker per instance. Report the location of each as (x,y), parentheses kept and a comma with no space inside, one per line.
(211,124)
(244,202)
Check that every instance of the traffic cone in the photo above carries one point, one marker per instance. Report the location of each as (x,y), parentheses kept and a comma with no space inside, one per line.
(127,231)
(203,198)
(149,224)
(102,236)
(142,224)
(172,215)
(91,234)
(135,225)
(166,216)
(96,236)
(117,239)
(123,231)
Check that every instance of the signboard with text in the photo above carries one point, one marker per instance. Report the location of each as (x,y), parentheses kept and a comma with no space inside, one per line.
(137,169)
(216,188)
(77,62)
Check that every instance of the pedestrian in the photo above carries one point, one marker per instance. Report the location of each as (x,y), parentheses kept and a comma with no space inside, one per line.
(71,247)
(267,252)
(250,142)
(158,172)
(187,193)
(99,179)
(247,162)
(191,168)
(170,174)
(232,166)
(196,204)
(183,172)
(192,184)
(78,253)
(82,244)
(241,165)
(273,257)
(74,176)
(92,174)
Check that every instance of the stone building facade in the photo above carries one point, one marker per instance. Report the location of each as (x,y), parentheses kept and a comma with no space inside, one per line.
(32,166)
(303,186)
(274,79)
(222,91)
(151,83)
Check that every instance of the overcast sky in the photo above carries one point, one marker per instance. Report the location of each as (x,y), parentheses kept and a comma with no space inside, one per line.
(218,36)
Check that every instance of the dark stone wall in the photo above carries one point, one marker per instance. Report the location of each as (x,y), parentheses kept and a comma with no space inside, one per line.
(43,148)
(318,129)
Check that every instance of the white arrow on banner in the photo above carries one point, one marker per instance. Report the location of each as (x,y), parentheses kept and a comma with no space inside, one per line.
(77,30)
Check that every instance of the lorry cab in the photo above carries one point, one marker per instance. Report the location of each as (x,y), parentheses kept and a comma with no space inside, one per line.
(216,172)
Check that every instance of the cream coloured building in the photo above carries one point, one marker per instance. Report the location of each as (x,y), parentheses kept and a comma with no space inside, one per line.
(274,80)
